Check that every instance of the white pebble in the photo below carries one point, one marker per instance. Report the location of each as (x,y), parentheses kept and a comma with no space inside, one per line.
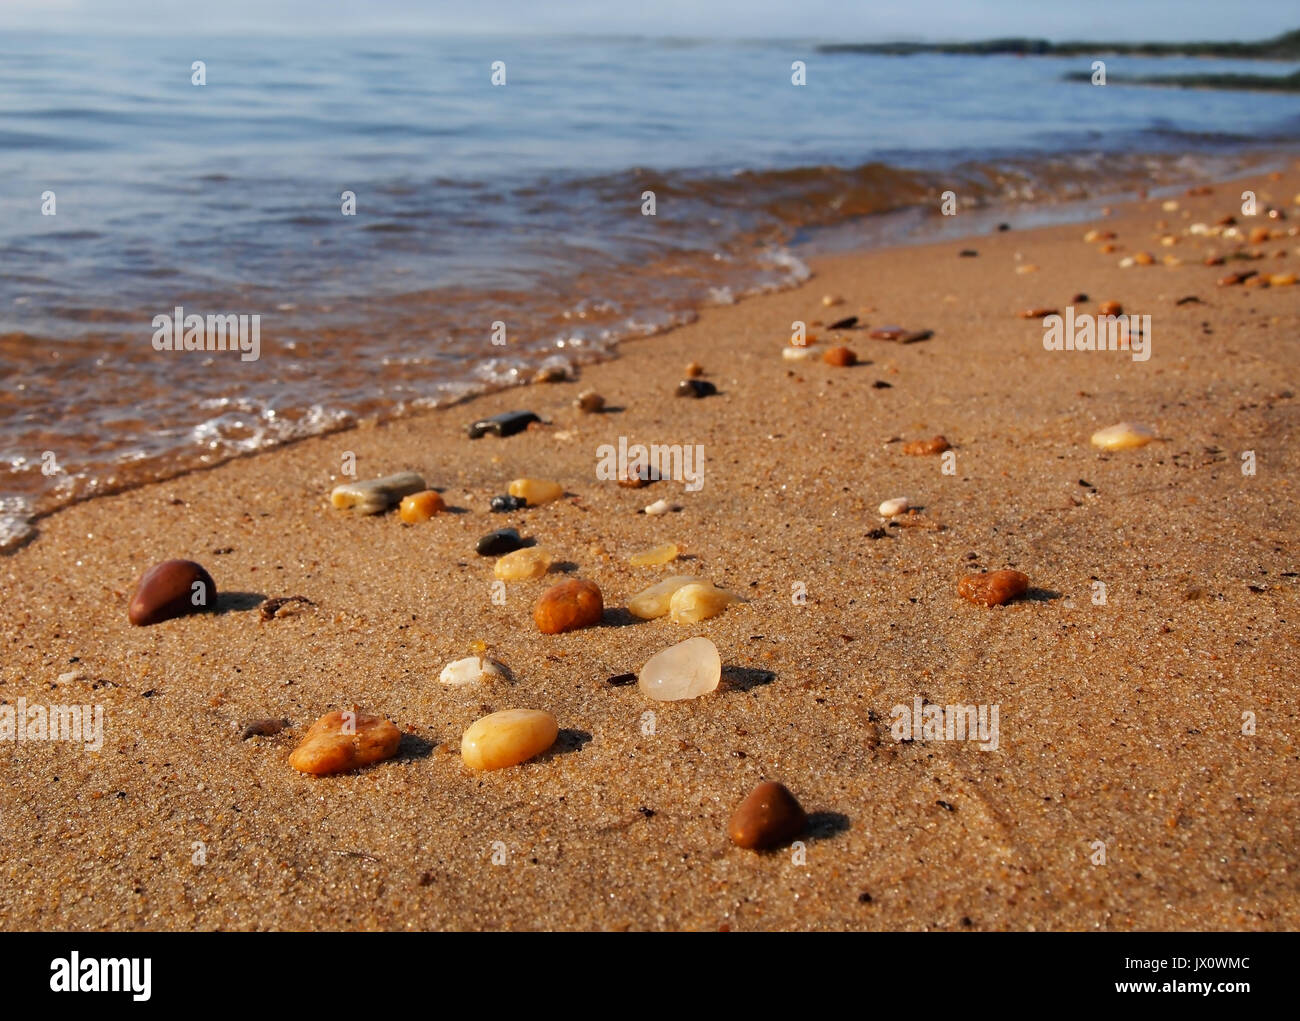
(685,670)
(470,670)
(897,505)
(796,354)
(660,507)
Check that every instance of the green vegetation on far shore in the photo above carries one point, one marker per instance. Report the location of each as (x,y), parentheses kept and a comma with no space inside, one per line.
(1243,82)
(1282,47)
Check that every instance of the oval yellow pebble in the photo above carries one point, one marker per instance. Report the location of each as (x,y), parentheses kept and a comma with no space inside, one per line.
(536,491)
(656,600)
(507,738)
(691,604)
(1123,436)
(523,564)
(1282,279)
(664,554)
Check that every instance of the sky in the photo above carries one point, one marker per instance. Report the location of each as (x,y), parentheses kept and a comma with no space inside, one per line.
(830,20)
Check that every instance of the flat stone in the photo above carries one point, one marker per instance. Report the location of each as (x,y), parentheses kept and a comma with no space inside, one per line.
(375,496)
(993,588)
(506,424)
(1123,436)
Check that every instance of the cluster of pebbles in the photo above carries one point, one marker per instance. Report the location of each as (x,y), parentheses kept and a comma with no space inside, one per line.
(345,740)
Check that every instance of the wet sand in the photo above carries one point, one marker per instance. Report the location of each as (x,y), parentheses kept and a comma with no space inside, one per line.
(1119,723)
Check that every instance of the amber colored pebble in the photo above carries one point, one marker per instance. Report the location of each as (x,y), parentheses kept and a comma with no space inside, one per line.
(420,507)
(841,356)
(993,588)
(1038,313)
(923,448)
(1144,258)
(340,741)
(694,370)
(769,817)
(569,606)
(1111,308)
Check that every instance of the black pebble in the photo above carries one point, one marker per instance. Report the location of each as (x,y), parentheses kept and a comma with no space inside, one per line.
(847,323)
(502,425)
(880,384)
(968,253)
(502,541)
(618,680)
(1004,226)
(506,503)
(877,533)
(1079,299)
(695,388)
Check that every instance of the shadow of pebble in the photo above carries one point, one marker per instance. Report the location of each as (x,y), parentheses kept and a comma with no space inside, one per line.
(568,741)
(563,567)
(825,825)
(1040,595)
(743,678)
(617,616)
(413,746)
(239,602)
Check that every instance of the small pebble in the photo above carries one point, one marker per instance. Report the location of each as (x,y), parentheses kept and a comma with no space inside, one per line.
(1123,436)
(924,448)
(174,588)
(968,253)
(503,540)
(890,508)
(797,354)
(1143,259)
(832,299)
(1026,267)
(535,492)
(340,741)
(694,370)
(695,388)
(698,601)
(589,402)
(888,333)
(569,606)
(659,507)
(506,424)
(375,496)
(420,506)
(470,670)
(664,554)
(1282,279)
(507,738)
(769,817)
(507,503)
(1111,308)
(262,728)
(523,564)
(1038,313)
(550,374)
(847,323)
(619,680)
(840,356)
(656,600)
(993,588)
(1079,298)
(685,670)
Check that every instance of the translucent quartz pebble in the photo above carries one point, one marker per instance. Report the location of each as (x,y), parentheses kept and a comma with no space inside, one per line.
(507,738)
(1124,436)
(664,554)
(686,670)
(691,604)
(523,564)
(536,491)
(657,599)
(376,495)
(470,670)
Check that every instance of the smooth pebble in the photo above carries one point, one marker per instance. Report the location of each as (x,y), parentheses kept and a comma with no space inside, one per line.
(1123,436)
(656,600)
(374,496)
(507,738)
(685,670)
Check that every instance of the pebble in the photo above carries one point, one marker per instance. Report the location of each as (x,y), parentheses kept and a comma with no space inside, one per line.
(523,564)
(1123,436)
(923,448)
(340,741)
(847,323)
(698,601)
(506,424)
(589,402)
(535,492)
(694,370)
(507,738)
(503,540)
(1026,267)
(569,606)
(470,670)
(840,356)
(656,600)
(420,506)
(1143,259)
(659,507)
(1232,279)
(376,495)
(769,817)
(1282,279)
(1111,308)
(550,374)
(1038,313)
(832,299)
(888,333)
(993,588)
(664,554)
(796,354)
(890,508)
(262,728)
(174,588)
(685,670)
(695,388)
(968,253)
(1099,235)
(506,503)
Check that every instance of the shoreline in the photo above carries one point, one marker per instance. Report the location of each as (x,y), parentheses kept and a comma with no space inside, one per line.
(1120,721)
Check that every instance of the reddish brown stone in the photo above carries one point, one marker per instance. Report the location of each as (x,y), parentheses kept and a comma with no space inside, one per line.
(769,817)
(569,606)
(173,588)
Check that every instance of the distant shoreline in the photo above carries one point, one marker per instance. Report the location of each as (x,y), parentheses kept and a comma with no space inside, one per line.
(1282,47)
(1239,82)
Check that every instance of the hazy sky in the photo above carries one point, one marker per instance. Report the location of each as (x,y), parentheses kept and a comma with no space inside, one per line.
(1104,20)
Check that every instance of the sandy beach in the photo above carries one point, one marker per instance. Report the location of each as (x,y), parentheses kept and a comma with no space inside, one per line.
(1121,722)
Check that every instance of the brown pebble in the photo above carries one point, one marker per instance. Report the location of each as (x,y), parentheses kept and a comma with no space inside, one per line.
(993,588)
(340,741)
(550,374)
(569,606)
(1232,279)
(694,370)
(769,817)
(1111,308)
(262,728)
(173,588)
(270,609)
(841,356)
(1038,313)
(420,506)
(924,448)
(589,402)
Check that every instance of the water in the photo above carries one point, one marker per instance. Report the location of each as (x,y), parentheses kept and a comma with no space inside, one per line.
(477,204)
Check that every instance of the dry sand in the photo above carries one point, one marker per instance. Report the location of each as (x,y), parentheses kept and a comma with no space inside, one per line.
(1119,723)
